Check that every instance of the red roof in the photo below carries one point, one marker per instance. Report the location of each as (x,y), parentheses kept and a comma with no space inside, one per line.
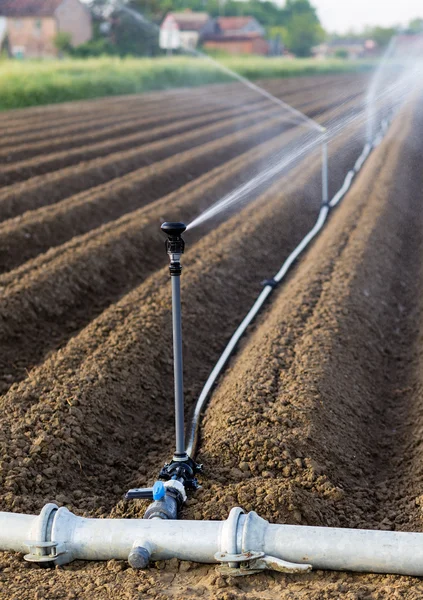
(190,20)
(233,23)
(28,8)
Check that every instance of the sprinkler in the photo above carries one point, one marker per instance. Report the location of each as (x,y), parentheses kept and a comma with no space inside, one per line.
(180,473)
(175,247)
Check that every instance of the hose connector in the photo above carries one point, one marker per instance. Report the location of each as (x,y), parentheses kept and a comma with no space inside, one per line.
(174,245)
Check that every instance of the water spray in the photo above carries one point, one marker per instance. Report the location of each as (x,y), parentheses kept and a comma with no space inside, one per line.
(373,89)
(325,170)
(301,119)
(180,472)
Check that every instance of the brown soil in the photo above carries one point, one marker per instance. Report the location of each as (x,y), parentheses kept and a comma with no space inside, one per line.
(46,187)
(40,229)
(173,162)
(102,116)
(24,169)
(146,127)
(317,420)
(110,125)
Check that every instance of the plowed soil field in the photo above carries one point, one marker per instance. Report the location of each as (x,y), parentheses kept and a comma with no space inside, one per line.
(318,419)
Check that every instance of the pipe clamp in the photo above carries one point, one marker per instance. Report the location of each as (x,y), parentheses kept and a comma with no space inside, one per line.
(228,543)
(41,548)
(44,552)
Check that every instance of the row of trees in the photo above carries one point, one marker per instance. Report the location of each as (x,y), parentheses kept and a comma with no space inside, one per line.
(382,35)
(130,27)
(117,31)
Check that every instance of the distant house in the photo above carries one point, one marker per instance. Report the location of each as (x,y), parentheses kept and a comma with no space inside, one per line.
(236,35)
(183,30)
(351,49)
(31,26)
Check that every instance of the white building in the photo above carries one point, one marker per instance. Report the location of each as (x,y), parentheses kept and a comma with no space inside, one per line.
(182,30)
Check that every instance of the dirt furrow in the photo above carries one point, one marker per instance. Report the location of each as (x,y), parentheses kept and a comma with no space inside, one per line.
(89,273)
(54,187)
(219,96)
(130,125)
(157,179)
(54,118)
(47,163)
(97,123)
(104,127)
(37,231)
(25,237)
(164,136)
(59,298)
(322,387)
(24,150)
(52,126)
(115,163)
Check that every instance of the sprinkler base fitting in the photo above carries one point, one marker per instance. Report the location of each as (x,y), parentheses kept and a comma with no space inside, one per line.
(182,468)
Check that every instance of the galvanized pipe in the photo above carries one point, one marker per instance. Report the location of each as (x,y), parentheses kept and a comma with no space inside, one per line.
(339,549)
(15,530)
(66,537)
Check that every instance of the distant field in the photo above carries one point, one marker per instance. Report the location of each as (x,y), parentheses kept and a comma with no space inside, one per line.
(32,83)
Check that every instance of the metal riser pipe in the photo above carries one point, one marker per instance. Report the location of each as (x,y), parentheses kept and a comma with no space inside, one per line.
(178,366)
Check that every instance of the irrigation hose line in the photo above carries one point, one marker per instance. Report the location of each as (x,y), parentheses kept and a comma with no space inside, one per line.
(267,290)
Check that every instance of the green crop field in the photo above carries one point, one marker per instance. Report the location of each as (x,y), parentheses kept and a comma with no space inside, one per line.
(30,83)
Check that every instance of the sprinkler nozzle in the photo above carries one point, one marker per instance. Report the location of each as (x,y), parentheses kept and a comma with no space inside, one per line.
(173,229)
(174,245)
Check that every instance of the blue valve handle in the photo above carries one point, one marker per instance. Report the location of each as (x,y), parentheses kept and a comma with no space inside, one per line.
(157,492)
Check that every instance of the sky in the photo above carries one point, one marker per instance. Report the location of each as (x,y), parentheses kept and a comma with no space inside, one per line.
(343,15)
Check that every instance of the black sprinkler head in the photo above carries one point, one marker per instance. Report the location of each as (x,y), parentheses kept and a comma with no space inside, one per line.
(173,230)
(174,245)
